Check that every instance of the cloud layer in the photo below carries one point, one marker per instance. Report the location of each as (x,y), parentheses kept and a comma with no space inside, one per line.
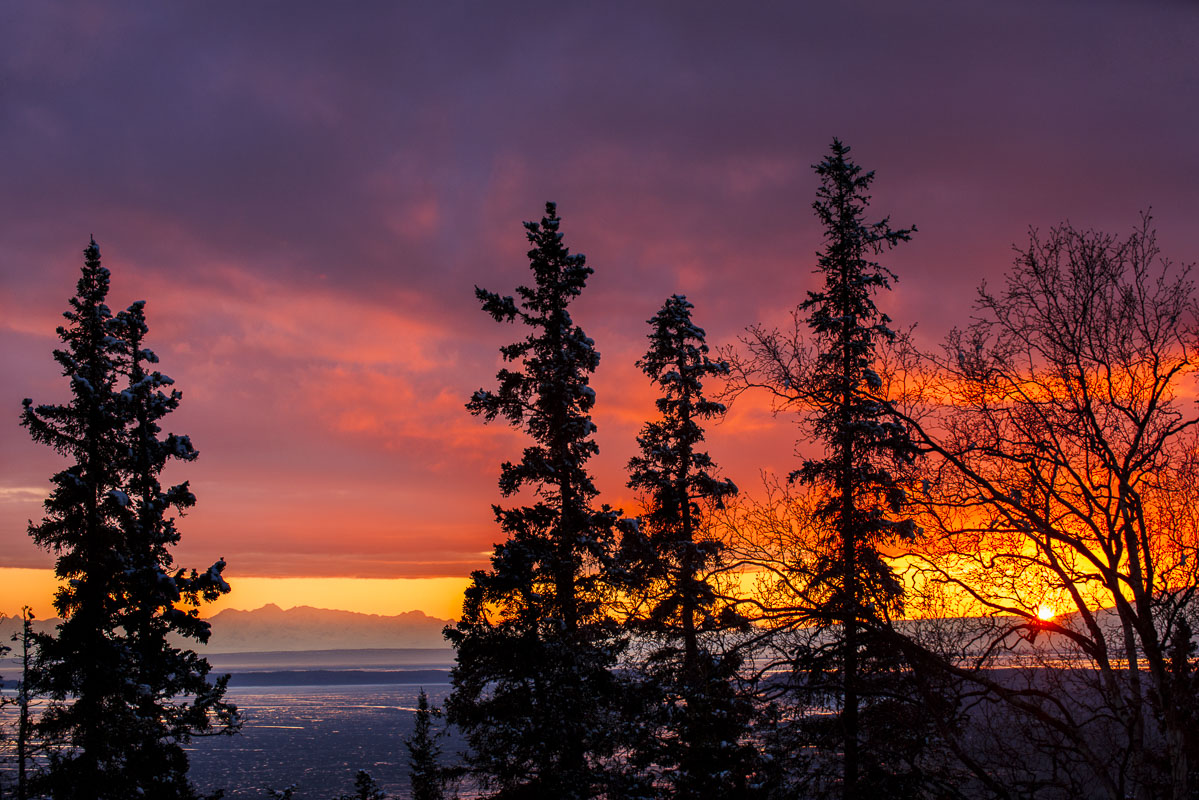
(306,195)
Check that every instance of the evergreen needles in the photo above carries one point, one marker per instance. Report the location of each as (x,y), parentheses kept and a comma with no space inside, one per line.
(123,698)
(533,687)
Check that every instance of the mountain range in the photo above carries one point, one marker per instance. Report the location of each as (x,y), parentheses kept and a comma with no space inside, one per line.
(272,628)
(302,628)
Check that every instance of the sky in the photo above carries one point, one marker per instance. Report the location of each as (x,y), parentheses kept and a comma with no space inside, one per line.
(306,194)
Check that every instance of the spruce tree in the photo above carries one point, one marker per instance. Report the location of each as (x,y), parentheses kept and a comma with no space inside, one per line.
(81,526)
(532,686)
(865,448)
(176,699)
(122,701)
(698,721)
(365,788)
(425,772)
(24,744)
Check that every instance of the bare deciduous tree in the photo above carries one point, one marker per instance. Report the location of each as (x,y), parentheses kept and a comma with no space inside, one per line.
(1061,506)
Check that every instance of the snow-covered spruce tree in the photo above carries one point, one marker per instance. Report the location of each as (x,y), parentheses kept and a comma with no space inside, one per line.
(175,699)
(110,678)
(85,662)
(695,719)
(864,448)
(533,689)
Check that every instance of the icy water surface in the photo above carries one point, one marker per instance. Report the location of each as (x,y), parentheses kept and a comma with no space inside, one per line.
(312,719)
(315,736)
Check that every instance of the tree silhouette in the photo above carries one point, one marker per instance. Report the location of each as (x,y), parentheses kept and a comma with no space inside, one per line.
(122,699)
(365,788)
(533,690)
(425,771)
(26,748)
(859,433)
(840,583)
(1065,474)
(697,721)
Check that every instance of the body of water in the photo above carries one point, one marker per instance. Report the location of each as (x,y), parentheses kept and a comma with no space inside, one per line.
(316,737)
(312,719)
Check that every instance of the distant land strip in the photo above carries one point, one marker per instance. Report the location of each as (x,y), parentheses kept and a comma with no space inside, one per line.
(339,677)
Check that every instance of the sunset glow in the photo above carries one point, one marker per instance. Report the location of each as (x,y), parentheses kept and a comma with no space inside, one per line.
(438,597)
(599,400)
(307,224)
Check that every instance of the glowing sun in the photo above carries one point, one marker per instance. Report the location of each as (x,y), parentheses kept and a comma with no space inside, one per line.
(1045,613)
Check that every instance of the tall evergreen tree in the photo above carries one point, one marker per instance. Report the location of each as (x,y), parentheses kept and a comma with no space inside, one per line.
(81,526)
(698,721)
(532,687)
(863,443)
(122,700)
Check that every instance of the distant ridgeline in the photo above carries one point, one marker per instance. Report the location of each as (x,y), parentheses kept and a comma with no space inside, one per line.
(304,629)
(270,628)
(11,626)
